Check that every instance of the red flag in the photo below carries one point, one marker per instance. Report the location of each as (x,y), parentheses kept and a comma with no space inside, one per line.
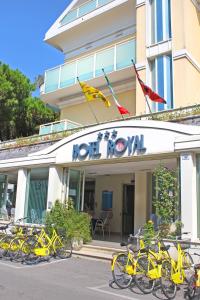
(148,91)
(122,110)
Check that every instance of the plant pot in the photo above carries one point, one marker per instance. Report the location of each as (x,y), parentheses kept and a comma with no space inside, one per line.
(77,243)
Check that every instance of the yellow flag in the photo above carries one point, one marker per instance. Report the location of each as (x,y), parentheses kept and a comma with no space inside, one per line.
(92,93)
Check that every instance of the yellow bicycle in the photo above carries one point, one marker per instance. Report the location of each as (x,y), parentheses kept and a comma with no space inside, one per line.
(45,246)
(150,266)
(174,272)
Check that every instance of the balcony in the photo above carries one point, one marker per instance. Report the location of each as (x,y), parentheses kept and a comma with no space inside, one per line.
(58,126)
(114,58)
(82,10)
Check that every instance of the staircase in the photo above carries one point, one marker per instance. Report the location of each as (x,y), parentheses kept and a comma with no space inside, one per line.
(99,250)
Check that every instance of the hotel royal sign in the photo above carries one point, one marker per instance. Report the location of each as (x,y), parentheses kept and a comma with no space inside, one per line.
(115,146)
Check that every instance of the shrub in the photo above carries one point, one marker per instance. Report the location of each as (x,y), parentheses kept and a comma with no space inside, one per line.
(165,200)
(75,224)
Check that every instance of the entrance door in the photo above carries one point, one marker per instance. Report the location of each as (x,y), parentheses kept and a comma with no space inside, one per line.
(128,210)
(74,187)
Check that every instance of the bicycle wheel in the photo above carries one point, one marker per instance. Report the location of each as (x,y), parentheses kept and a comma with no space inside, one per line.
(63,248)
(29,257)
(168,287)
(143,282)
(16,254)
(191,289)
(119,271)
(5,245)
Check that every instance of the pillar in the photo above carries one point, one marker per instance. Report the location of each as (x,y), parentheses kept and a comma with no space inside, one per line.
(188,194)
(140,199)
(54,185)
(20,194)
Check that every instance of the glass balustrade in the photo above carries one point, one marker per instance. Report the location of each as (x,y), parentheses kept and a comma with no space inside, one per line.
(83,10)
(111,59)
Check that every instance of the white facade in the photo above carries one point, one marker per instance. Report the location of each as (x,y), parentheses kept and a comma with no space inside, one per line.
(126,151)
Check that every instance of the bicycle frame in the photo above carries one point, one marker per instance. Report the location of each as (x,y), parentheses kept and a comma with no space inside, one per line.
(178,276)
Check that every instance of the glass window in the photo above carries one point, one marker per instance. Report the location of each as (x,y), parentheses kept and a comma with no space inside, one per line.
(36,195)
(51,80)
(86,8)
(68,74)
(124,53)
(160,80)
(169,82)
(103,2)
(70,16)
(74,184)
(8,187)
(161,74)
(160,20)
(85,68)
(105,60)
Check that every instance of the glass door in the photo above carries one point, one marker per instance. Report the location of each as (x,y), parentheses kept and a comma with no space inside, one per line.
(75,181)
(128,210)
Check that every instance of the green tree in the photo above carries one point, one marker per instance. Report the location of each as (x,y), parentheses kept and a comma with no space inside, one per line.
(20,113)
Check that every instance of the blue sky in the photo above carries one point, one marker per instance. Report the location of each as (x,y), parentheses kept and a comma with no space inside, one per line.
(23,24)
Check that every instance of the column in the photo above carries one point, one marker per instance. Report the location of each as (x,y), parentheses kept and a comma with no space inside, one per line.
(54,185)
(188,194)
(140,200)
(21,194)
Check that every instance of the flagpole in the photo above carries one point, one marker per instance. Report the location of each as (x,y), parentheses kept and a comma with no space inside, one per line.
(140,85)
(91,109)
(111,90)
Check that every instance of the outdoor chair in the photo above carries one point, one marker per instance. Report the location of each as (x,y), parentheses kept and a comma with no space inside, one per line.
(103,223)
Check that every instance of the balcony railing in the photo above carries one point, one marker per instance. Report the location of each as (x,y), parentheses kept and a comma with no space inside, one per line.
(114,58)
(58,126)
(82,10)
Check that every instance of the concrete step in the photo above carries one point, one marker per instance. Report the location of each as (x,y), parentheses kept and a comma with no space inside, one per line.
(99,252)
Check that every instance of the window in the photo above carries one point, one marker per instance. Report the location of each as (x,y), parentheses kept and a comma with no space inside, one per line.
(74,187)
(160,20)
(161,75)
(8,187)
(36,195)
